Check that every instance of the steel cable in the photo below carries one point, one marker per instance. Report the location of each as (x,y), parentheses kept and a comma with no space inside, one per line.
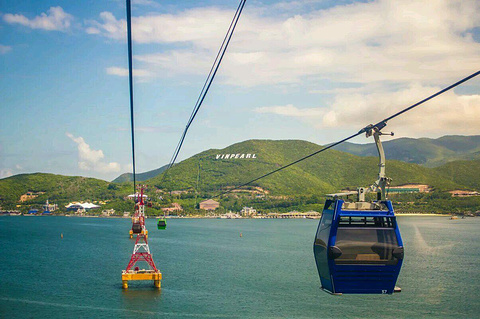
(379,126)
(207,84)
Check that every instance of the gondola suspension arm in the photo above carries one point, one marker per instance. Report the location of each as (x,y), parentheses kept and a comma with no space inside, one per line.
(380,185)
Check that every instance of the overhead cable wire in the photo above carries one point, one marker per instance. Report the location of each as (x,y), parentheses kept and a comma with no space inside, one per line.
(208,83)
(130,78)
(367,128)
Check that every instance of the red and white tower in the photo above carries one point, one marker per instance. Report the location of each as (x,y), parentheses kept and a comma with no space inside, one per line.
(138,219)
(141,251)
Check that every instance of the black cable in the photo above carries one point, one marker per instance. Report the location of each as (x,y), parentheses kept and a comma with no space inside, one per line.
(207,84)
(432,96)
(130,78)
(214,62)
(235,18)
(292,163)
(378,126)
(204,85)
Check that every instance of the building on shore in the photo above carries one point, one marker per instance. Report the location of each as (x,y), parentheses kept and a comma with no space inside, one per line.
(248,211)
(75,206)
(49,207)
(136,195)
(410,188)
(209,204)
(178,193)
(294,214)
(230,215)
(108,212)
(463,193)
(10,212)
(30,195)
(176,207)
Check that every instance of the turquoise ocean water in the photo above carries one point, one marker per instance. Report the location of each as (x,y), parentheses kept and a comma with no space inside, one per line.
(210,271)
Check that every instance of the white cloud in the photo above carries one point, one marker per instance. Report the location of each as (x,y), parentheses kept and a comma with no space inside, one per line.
(383,40)
(5,172)
(290,110)
(56,19)
(5,49)
(124,72)
(196,24)
(376,56)
(448,114)
(92,160)
(92,30)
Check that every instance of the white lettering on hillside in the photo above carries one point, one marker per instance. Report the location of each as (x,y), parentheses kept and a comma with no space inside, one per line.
(235,156)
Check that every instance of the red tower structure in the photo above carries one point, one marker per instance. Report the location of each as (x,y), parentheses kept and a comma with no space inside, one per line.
(141,251)
(138,219)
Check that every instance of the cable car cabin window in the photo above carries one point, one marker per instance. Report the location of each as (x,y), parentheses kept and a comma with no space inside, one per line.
(366,221)
(366,245)
(330,205)
(324,228)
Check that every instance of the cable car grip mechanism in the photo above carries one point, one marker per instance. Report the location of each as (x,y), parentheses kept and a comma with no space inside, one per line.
(381,183)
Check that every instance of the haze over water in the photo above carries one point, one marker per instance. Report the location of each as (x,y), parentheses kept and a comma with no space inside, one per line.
(210,271)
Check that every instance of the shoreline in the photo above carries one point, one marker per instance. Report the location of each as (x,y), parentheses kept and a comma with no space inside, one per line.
(218,217)
(426,214)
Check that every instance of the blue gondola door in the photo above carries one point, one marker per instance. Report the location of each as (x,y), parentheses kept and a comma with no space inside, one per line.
(321,244)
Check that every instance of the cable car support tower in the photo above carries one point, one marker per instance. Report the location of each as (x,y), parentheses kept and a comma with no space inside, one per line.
(141,251)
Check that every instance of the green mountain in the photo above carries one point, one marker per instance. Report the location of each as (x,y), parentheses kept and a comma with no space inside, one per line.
(424,151)
(57,188)
(465,173)
(327,172)
(128,177)
(217,170)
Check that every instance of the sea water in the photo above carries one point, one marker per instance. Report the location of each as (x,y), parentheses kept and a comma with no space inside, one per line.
(209,270)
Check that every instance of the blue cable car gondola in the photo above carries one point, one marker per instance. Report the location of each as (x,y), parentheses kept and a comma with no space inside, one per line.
(358,247)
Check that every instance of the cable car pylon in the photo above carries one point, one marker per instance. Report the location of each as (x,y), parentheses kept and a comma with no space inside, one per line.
(141,252)
(138,218)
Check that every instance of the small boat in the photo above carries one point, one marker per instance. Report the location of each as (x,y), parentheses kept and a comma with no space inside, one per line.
(453,217)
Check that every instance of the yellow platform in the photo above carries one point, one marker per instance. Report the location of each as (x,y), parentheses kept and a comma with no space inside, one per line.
(141,275)
(142,232)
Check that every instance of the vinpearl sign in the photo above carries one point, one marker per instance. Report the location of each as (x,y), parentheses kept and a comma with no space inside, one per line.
(235,156)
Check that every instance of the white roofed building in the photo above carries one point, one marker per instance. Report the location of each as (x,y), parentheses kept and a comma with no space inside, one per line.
(137,195)
(85,206)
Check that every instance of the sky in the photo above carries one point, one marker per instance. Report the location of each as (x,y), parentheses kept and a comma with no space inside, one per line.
(312,70)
